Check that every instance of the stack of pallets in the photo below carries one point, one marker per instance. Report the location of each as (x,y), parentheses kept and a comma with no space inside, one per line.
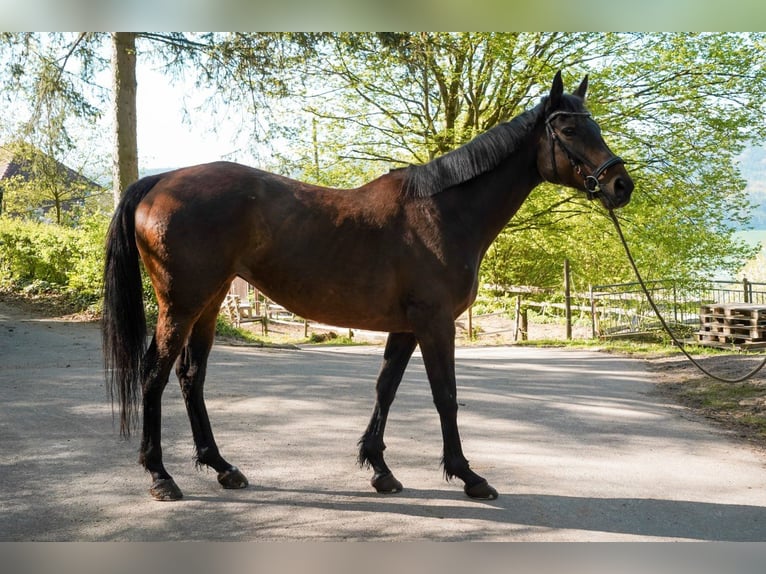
(742,325)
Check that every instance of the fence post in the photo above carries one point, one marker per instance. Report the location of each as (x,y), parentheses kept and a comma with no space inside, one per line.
(567,300)
(592,312)
(524,324)
(470,323)
(748,290)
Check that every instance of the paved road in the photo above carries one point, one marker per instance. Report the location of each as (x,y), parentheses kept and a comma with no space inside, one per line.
(577,443)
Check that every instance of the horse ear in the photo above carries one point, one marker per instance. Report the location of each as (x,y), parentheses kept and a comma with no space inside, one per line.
(582,88)
(557,90)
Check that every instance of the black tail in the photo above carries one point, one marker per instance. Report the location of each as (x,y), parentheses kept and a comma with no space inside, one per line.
(123,327)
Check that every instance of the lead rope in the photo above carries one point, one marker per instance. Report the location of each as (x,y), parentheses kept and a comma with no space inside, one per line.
(678,343)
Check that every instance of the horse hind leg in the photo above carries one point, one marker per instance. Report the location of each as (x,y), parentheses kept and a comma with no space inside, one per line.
(191,369)
(158,362)
(399,349)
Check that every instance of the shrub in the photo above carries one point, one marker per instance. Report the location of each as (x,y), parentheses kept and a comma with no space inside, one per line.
(40,257)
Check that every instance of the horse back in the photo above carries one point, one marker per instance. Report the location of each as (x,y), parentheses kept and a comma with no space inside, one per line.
(347,257)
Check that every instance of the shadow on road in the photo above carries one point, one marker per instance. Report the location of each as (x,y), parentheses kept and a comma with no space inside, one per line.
(576,443)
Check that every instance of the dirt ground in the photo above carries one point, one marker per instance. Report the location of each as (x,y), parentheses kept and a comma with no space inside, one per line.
(676,379)
(739,408)
(579,443)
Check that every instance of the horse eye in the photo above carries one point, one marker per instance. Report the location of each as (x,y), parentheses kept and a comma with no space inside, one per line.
(569,132)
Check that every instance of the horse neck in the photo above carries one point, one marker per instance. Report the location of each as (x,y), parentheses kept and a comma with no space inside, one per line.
(484,205)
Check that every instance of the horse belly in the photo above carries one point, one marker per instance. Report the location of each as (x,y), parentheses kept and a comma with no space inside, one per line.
(343,291)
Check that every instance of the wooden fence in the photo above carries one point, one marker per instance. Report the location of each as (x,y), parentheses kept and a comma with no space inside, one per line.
(622,309)
(619,309)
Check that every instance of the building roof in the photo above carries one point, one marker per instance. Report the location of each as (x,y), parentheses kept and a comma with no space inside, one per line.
(8,168)
(11,164)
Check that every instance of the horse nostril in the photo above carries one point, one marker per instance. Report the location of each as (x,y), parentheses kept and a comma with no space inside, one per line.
(623,185)
(621,190)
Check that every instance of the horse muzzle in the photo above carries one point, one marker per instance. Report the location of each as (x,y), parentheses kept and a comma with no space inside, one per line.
(614,192)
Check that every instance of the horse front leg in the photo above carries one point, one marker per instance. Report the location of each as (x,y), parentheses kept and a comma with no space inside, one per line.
(437,343)
(399,349)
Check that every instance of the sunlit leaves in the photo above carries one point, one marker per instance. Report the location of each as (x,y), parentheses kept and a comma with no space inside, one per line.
(680,108)
(340,108)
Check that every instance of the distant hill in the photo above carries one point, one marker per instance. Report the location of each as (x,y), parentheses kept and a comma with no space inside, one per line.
(155,170)
(753,167)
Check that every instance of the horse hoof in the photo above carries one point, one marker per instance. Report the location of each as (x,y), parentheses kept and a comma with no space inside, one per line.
(386,483)
(165,489)
(232,478)
(481,491)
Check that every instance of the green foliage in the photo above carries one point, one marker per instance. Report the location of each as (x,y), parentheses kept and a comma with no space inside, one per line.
(86,276)
(372,100)
(34,252)
(679,107)
(49,257)
(44,188)
(46,106)
(224,328)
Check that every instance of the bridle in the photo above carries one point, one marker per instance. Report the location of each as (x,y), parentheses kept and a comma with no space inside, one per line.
(592,182)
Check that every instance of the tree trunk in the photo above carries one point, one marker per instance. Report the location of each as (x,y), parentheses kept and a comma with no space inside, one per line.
(125,156)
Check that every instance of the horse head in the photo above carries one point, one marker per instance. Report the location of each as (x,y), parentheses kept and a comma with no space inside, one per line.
(573,153)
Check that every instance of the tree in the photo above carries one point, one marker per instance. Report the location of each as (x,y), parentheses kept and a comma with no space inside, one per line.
(243,66)
(125,155)
(53,106)
(683,107)
(678,107)
(39,185)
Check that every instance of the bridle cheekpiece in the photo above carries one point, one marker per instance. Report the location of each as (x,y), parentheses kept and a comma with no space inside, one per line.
(592,182)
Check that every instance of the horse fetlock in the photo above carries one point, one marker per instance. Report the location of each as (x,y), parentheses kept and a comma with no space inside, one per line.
(371,452)
(457,466)
(209,456)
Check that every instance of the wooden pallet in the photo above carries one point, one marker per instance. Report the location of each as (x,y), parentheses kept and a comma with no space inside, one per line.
(738,324)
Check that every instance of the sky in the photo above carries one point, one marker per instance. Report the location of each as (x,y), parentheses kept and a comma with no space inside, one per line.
(166,139)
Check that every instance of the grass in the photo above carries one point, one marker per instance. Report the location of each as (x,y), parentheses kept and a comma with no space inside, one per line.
(737,406)
(635,347)
(721,396)
(225,331)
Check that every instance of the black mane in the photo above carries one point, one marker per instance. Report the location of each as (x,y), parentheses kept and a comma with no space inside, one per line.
(480,155)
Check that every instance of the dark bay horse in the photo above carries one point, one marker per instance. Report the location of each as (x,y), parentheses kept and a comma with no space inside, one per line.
(399,254)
